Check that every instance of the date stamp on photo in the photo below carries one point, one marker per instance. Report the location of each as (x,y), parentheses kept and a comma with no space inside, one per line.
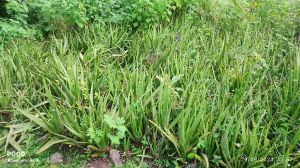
(268,159)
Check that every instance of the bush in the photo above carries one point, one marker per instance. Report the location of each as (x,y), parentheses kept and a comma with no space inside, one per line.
(49,16)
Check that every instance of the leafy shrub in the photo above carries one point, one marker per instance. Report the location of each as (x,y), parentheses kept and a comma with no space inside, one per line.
(54,15)
(16,25)
(135,12)
(114,131)
(51,15)
(14,28)
(48,16)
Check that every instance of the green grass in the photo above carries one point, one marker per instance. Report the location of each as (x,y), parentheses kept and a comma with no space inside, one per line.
(208,87)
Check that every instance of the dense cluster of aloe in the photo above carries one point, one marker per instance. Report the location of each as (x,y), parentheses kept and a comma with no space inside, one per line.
(207,87)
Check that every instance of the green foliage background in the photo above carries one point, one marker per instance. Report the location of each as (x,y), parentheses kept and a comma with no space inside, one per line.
(31,17)
(37,17)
